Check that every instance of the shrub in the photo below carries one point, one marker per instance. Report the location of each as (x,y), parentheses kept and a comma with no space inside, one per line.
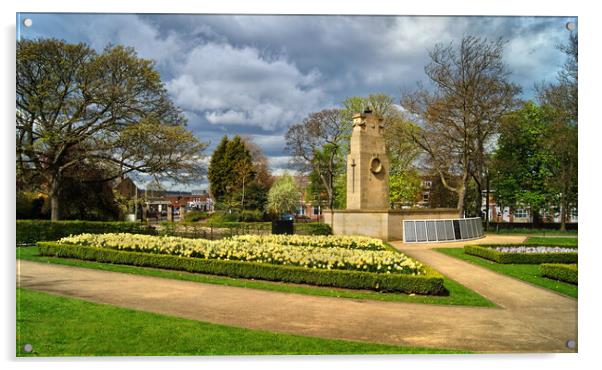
(562,272)
(430,283)
(312,228)
(251,216)
(194,216)
(488,252)
(221,217)
(31,231)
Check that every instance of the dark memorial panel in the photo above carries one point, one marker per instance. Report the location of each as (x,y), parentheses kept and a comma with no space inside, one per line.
(457,234)
(431,233)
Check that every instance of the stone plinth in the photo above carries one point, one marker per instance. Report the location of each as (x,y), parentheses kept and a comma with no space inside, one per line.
(383,224)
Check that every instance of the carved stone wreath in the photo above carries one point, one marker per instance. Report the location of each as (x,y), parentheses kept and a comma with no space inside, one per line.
(375,165)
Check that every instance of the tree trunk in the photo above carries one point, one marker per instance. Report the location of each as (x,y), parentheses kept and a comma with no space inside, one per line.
(479,200)
(55,202)
(487,191)
(460,206)
(563,207)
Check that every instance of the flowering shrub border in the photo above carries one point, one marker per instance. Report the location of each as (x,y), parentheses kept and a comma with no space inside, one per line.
(262,250)
(558,271)
(488,252)
(430,283)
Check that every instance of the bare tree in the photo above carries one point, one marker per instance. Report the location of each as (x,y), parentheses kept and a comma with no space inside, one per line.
(316,143)
(460,115)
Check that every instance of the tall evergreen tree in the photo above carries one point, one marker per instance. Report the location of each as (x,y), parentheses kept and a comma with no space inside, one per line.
(218,169)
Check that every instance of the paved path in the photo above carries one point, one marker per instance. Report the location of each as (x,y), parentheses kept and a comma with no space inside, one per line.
(529,319)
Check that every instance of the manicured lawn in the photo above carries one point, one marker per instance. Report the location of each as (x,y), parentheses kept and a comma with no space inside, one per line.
(458,294)
(527,231)
(58,326)
(528,273)
(570,242)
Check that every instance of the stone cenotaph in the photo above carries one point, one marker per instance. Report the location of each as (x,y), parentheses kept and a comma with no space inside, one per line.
(368,204)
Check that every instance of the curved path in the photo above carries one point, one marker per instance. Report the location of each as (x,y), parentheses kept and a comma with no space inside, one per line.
(529,319)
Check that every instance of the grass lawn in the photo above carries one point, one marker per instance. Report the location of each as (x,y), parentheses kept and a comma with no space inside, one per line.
(458,294)
(570,242)
(528,273)
(59,326)
(527,231)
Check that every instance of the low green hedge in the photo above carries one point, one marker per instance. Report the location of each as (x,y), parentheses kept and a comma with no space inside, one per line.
(31,231)
(558,271)
(487,252)
(312,228)
(431,283)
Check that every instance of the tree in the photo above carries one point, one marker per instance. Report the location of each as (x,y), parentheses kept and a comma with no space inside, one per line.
(404,187)
(561,100)
(108,110)
(283,196)
(217,173)
(230,170)
(460,115)
(317,145)
(522,161)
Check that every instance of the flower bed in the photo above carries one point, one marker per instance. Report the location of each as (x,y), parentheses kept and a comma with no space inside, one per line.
(562,272)
(523,254)
(381,270)
(534,249)
(323,241)
(256,249)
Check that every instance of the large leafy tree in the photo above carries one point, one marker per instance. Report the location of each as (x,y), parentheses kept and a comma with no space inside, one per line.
(523,160)
(108,110)
(470,93)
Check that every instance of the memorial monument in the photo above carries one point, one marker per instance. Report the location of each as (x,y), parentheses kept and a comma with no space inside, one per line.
(368,204)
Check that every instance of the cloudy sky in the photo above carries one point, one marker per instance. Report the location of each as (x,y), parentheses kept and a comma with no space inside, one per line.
(257,75)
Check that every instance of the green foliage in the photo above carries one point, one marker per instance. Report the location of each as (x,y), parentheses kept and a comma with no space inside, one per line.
(230,167)
(523,162)
(562,272)
(312,228)
(31,231)
(519,258)
(284,196)
(193,216)
(431,283)
(404,187)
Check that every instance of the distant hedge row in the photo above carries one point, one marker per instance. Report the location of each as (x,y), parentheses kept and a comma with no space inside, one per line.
(31,231)
(489,253)
(562,272)
(431,283)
